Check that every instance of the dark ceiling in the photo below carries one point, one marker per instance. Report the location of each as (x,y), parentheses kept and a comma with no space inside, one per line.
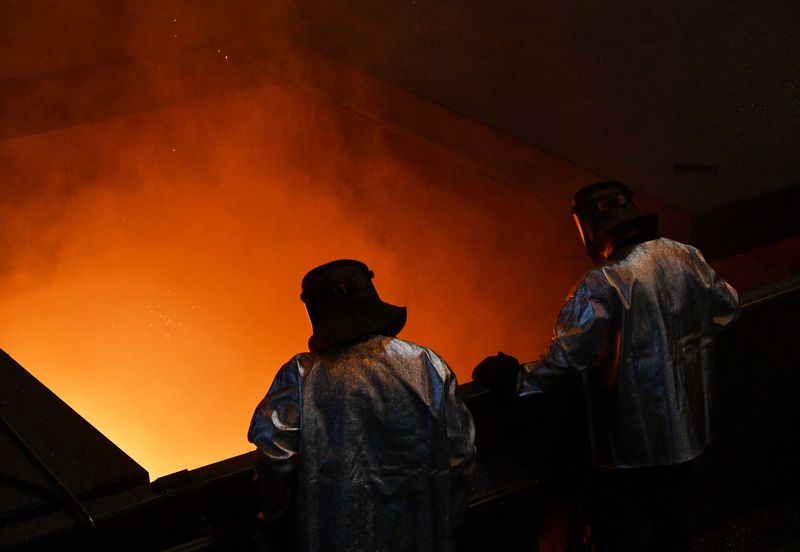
(695,103)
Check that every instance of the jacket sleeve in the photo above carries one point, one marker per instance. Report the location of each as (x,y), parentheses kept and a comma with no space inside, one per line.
(460,442)
(275,427)
(580,337)
(724,302)
(275,430)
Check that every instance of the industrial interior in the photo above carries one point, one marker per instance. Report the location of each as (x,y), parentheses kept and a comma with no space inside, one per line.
(170,170)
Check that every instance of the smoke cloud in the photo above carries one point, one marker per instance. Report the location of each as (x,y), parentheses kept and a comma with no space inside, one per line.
(153,256)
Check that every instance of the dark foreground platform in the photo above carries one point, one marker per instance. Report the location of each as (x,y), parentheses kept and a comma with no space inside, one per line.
(63,485)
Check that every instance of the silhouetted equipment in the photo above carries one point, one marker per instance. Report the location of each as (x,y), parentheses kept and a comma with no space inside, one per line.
(753,460)
(755,452)
(50,457)
(63,485)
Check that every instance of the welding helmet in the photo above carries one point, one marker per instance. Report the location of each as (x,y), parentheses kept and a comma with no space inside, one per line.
(343,305)
(606,215)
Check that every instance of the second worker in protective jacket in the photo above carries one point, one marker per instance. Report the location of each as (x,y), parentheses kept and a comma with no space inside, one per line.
(636,334)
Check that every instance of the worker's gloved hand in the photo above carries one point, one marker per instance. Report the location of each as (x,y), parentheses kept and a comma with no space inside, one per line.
(498,373)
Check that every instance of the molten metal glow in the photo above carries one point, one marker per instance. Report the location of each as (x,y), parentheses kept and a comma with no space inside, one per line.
(156,259)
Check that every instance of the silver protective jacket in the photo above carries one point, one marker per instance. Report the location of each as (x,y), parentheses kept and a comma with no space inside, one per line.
(383,447)
(638,333)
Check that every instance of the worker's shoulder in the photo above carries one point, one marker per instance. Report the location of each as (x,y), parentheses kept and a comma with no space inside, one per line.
(681,253)
(667,243)
(632,261)
(410,348)
(296,366)
(300,359)
(658,250)
(420,355)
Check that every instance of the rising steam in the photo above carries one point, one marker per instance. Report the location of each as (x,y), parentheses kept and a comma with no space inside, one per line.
(153,260)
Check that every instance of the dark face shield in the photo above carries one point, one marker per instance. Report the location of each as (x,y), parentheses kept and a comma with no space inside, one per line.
(601,211)
(583,232)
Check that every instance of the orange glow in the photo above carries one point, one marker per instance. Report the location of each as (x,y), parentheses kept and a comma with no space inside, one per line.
(156,259)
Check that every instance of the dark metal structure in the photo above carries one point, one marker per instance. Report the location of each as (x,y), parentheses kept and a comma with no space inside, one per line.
(50,457)
(63,485)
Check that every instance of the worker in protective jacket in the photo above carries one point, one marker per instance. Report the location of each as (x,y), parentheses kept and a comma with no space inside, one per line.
(365,432)
(636,333)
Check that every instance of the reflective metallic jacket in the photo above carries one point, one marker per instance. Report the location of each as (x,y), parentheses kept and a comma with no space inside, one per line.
(638,333)
(384,449)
